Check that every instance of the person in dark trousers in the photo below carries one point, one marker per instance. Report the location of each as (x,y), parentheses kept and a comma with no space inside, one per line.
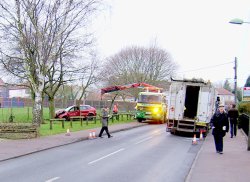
(233,115)
(105,117)
(220,125)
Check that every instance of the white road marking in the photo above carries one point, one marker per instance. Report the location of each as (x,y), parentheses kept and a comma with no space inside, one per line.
(52,179)
(106,156)
(143,140)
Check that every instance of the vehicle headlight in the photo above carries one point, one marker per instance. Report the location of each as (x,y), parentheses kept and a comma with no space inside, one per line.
(156,110)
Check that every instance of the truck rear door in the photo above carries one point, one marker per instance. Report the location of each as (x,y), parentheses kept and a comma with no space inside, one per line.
(204,104)
(176,100)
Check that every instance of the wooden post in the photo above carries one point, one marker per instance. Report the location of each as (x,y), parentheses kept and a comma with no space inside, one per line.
(50,126)
(87,121)
(71,123)
(63,124)
(112,118)
(95,119)
(81,121)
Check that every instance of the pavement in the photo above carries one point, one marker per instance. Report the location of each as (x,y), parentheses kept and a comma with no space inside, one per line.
(231,166)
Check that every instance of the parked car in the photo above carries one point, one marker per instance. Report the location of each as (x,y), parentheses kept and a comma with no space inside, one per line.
(86,110)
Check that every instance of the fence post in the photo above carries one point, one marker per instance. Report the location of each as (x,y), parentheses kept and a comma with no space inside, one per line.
(71,124)
(248,147)
(50,126)
(63,124)
(28,113)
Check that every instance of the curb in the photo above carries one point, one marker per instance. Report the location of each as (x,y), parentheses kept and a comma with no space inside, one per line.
(187,179)
(71,142)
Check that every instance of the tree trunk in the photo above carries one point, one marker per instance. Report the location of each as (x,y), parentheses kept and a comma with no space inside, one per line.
(37,109)
(51,108)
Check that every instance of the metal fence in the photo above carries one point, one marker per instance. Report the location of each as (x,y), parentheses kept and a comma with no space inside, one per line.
(244,123)
(60,103)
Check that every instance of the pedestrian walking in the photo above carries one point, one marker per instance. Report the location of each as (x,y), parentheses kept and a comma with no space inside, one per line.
(220,125)
(217,103)
(104,118)
(115,109)
(233,115)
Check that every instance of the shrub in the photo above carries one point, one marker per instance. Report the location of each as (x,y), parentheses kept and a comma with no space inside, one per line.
(244,107)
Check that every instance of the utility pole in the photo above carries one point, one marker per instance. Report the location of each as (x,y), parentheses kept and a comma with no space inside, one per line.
(235,81)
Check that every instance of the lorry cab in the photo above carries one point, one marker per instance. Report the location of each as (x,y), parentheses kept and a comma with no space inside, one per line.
(151,106)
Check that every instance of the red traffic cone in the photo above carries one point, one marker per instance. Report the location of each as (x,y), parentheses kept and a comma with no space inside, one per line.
(93,134)
(201,135)
(68,133)
(194,141)
(90,135)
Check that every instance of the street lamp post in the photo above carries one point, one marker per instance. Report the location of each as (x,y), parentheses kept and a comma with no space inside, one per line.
(240,22)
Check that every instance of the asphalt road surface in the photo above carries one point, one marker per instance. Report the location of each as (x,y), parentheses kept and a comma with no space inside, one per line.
(144,154)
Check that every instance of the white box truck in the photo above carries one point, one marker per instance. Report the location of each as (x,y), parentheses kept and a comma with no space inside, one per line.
(191,105)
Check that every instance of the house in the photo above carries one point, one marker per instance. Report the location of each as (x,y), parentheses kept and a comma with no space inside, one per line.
(3,90)
(19,91)
(226,97)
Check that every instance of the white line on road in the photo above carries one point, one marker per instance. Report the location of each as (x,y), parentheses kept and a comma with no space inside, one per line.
(52,179)
(143,140)
(106,156)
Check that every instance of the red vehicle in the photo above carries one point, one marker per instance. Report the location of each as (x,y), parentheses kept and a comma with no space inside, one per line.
(85,110)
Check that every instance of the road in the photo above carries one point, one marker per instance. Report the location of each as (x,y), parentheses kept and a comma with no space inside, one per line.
(144,154)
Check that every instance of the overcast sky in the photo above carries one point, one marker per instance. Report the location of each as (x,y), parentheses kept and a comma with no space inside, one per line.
(195,32)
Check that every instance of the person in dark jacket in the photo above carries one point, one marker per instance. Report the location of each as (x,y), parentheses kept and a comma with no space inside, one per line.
(104,118)
(233,114)
(220,125)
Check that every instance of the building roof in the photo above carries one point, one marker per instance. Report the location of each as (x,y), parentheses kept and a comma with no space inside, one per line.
(222,91)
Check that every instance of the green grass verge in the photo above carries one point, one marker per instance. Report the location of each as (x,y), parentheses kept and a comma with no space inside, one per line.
(57,126)
(21,114)
(24,115)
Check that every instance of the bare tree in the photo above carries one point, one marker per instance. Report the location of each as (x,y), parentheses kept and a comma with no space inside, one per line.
(37,34)
(138,64)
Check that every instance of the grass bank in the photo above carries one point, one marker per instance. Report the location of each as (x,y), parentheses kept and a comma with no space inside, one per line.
(24,115)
